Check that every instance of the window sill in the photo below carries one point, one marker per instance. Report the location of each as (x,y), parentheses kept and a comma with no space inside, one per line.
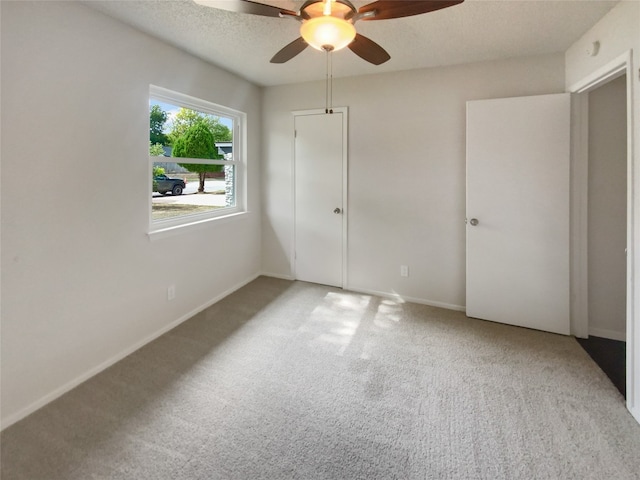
(164,232)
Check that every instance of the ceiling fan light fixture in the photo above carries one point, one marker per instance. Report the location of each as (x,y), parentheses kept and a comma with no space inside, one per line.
(327,32)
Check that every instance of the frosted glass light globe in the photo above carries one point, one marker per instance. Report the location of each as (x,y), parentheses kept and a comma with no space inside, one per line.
(327,32)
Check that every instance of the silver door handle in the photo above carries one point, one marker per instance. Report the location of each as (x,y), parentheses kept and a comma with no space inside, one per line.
(474,222)
(337,210)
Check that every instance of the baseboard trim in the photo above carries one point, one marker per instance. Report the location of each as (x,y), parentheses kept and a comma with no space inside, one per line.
(58,392)
(610,334)
(633,410)
(404,298)
(378,293)
(278,275)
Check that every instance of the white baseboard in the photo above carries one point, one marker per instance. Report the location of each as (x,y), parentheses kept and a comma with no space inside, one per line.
(278,275)
(58,392)
(610,334)
(635,411)
(404,298)
(422,301)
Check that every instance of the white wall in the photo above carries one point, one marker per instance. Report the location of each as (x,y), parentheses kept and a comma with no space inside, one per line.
(619,32)
(406,170)
(607,209)
(81,281)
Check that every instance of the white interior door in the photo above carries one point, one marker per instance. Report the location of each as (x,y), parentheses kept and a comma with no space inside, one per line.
(320,185)
(518,159)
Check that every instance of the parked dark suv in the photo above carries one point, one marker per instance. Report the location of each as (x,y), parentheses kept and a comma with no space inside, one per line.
(163,184)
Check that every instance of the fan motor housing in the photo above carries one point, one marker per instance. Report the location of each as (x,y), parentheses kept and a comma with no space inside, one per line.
(315,8)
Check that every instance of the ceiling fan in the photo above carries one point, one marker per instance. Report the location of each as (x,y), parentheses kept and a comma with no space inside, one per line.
(328,25)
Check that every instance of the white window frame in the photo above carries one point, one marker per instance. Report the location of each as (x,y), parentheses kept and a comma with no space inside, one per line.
(238,160)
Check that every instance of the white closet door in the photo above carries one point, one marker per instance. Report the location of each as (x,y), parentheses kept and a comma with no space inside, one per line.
(320,157)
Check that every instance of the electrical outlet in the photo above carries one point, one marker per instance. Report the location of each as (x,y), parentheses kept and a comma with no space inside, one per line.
(171,292)
(404,271)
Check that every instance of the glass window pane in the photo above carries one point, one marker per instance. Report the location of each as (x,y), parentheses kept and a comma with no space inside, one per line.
(178,191)
(188,147)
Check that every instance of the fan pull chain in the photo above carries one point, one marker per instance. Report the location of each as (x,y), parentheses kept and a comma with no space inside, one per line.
(326,83)
(329,84)
(331,81)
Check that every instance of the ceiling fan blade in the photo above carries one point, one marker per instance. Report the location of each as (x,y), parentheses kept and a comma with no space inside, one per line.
(290,51)
(385,9)
(368,50)
(246,6)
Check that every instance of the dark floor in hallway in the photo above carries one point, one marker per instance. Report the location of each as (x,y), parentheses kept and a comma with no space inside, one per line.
(611,357)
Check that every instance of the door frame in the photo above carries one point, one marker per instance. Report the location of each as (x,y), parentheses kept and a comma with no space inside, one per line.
(579,258)
(345,170)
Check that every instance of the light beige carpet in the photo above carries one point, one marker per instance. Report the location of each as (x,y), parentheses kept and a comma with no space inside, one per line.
(289,380)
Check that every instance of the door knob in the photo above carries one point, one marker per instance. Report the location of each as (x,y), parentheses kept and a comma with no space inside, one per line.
(474,222)
(337,210)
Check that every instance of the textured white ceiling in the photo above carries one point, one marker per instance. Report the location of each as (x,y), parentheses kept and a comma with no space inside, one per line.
(475,30)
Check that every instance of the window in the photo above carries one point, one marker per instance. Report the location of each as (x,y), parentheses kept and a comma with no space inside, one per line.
(195,159)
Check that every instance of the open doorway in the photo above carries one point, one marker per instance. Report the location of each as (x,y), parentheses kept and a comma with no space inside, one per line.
(607,229)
